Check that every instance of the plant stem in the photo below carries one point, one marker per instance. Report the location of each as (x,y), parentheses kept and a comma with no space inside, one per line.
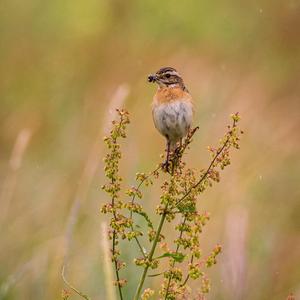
(173,263)
(187,276)
(139,245)
(209,167)
(114,249)
(116,266)
(131,213)
(143,277)
(71,286)
(141,183)
(205,174)
(162,220)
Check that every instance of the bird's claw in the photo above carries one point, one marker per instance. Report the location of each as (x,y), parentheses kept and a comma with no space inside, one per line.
(165,166)
(177,151)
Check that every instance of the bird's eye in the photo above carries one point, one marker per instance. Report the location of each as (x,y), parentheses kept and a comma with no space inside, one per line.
(168,75)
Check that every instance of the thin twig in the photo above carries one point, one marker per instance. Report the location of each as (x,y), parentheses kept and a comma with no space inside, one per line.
(173,263)
(139,244)
(131,213)
(116,266)
(71,286)
(141,183)
(114,248)
(208,169)
(188,275)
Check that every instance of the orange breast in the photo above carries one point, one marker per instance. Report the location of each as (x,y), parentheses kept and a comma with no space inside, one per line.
(165,95)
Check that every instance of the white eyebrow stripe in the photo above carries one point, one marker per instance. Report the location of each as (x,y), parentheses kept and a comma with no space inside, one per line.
(173,73)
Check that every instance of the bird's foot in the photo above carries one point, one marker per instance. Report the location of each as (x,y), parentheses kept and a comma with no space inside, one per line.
(166,166)
(177,151)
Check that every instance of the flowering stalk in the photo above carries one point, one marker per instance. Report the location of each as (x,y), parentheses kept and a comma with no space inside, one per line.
(220,158)
(180,193)
(118,222)
(135,208)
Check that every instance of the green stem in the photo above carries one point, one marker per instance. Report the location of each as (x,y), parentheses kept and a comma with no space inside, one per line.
(187,276)
(151,253)
(173,263)
(131,213)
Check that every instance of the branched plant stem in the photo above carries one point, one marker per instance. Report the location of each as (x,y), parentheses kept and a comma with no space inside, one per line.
(207,170)
(131,213)
(151,253)
(184,197)
(163,217)
(114,233)
(179,195)
(141,183)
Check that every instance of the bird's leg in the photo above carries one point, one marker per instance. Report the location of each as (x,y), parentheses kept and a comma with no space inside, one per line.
(166,163)
(178,148)
(168,154)
(176,155)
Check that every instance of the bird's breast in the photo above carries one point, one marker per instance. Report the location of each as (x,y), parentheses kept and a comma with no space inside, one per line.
(166,95)
(173,118)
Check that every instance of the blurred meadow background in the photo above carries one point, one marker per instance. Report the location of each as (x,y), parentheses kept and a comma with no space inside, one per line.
(65,65)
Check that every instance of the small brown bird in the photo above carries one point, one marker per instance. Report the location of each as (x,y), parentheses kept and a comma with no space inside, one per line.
(172,107)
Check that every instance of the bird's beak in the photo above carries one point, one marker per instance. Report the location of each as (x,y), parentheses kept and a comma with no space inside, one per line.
(152,78)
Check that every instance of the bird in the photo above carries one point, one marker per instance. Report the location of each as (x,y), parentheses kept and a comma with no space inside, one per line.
(172,108)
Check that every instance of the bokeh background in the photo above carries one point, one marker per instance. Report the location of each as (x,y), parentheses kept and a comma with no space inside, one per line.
(66,64)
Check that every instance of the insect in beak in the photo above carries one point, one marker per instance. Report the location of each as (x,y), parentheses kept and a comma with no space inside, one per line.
(152,78)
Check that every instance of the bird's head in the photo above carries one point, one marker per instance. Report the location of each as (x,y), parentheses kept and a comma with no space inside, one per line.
(167,77)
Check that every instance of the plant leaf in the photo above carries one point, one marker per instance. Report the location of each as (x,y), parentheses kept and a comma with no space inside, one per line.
(154,275)
(178,257)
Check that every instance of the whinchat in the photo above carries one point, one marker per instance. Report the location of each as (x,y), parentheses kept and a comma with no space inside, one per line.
(172,107)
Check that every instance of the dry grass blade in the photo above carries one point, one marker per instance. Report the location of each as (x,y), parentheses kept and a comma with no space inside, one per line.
(15,163)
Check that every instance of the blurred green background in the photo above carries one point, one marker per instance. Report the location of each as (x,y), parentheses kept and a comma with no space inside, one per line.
(66,64)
